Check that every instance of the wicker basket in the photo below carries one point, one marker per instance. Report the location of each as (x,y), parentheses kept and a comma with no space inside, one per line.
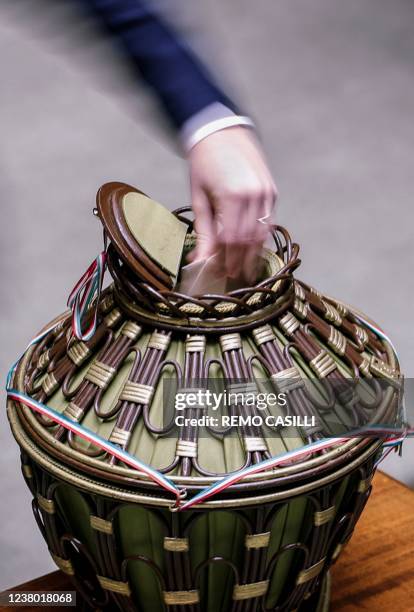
(266,540)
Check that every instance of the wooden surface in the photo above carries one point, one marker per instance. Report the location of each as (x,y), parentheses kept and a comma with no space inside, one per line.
(375,572)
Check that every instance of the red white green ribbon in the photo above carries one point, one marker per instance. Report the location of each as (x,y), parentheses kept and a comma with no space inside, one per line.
(96,440)
(87,289)
(393,438)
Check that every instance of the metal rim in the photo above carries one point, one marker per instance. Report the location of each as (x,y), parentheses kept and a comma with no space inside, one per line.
(114,492)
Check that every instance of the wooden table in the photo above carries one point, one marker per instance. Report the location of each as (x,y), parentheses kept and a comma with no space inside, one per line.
(375,571)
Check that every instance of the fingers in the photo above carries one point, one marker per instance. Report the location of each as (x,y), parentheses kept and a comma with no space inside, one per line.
(269,201)
(231,239)
(232,185)
(205,226)
(245,217)
(254,233)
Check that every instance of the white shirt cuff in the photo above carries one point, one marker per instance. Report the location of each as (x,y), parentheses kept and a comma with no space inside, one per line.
(210,119)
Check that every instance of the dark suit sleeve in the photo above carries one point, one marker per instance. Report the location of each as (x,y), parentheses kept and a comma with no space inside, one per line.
(161,58)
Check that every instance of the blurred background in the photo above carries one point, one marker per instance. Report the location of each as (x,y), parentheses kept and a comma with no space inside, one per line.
(330,84)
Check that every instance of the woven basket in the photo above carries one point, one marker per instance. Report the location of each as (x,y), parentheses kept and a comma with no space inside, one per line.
(265,541)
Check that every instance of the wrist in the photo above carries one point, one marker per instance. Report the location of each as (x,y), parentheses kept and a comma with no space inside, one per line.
(214,118)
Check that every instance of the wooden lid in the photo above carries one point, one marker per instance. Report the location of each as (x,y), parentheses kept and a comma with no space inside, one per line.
(147,236)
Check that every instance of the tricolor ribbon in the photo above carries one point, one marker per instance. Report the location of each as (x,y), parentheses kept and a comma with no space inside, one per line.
(394,437)
(96,440)
(87,289)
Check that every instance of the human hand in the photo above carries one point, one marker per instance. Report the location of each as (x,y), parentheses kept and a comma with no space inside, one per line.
(233,195)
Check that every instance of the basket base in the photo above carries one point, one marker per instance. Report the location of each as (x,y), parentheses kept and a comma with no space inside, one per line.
(320,602)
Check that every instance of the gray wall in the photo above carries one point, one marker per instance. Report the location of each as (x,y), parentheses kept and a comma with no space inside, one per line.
(331,85)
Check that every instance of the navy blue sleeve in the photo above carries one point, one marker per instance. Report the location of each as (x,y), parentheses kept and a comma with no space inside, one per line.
(162,59)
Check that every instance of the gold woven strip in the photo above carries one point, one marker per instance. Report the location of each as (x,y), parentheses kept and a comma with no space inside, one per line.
(364,485)
(300,308)
(337,341)
(113,318)
(289,324)
(263,334)
(361,333)
(242,387)
(100,374)
(378,367)
(331,313)
(299,291)
(49,384)
(107,302)
(310,572)
(287,380)
(186,448)
(137,393)
(343,310)
(195,344)
(27,470)
(65,565)
(250,590)
(364,366)
(119,436)
(116,586)
(59,327)
(181,598)
(44,359)
(258,540)
(254,444)
(73,411)
(315,292)
(322,364)
(78,352)
(176,544)
(159,341)
(131,330)
(230,342)
(100,524)
(47,505)
(321,517)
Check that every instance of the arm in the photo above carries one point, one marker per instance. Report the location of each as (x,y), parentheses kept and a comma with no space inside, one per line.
(230,181)
(162,59)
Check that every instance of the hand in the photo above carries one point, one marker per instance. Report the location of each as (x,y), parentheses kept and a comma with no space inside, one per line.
(231,190)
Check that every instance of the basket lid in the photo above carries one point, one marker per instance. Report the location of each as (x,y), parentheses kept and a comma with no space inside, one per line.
(147,236)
